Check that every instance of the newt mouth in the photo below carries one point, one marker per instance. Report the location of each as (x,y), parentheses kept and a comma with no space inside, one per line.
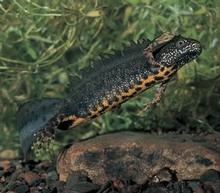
(197,49)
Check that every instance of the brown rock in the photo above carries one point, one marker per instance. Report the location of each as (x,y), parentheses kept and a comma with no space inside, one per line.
(2,179)
(199,190)
(30,177)
(8,154)
(139,156)
(5,164)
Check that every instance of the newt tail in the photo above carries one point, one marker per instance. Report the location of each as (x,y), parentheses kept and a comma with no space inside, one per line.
(108,84)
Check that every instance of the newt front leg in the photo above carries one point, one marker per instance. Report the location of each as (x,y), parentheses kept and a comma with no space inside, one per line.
(158,96)
(156,67)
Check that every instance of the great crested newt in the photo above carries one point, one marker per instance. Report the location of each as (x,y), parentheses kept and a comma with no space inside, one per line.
(111,82)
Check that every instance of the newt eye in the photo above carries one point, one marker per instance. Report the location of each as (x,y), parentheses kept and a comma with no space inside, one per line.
(180,43)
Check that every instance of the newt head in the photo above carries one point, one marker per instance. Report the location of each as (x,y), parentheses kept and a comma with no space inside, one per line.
(178,51)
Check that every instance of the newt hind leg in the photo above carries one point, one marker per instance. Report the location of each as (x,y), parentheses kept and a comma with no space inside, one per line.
(44,137)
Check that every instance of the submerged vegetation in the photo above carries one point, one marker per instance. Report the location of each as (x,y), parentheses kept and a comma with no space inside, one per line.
(42,42)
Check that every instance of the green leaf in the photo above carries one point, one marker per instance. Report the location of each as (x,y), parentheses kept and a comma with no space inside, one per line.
(31,51)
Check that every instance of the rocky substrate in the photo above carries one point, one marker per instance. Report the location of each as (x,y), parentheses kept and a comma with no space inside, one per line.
(42,177)
(124,162)
(139,156)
